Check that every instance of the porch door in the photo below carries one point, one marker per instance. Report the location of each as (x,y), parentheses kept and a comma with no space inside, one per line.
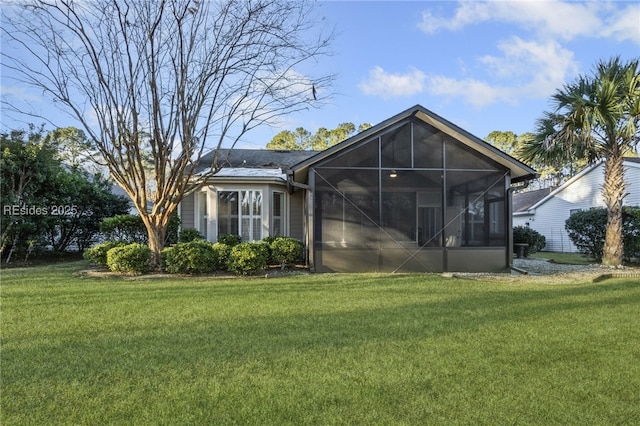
(429,220)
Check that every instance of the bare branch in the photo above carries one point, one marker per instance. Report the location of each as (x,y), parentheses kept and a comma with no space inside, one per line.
(170,78)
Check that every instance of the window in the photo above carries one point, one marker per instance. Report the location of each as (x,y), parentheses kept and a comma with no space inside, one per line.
(277,214)
(240,213)
(476,209)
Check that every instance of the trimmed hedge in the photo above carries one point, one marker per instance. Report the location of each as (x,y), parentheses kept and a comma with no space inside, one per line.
(587,231)
(98,253)
(248,258)
(193,257)
(132,258)
(189,234)
(200,256)
(229,239)
(124,227)
(130,228)
(286,251)
(224,251)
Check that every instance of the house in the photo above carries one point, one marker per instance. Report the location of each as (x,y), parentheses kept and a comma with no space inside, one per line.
(546,211)
(412,193)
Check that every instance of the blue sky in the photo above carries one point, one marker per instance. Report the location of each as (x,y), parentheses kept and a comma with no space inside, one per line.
(482,65)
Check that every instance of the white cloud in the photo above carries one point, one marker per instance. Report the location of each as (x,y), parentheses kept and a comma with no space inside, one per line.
(624,24)
(19,92)
(387,85)
(466,14)
(475,92)
(532,68)
(527,69)
(548,19)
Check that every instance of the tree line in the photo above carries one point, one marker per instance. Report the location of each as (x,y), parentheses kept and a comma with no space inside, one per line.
(323,138)
(48,199)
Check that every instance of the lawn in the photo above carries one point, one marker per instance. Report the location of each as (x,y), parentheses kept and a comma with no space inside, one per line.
(564,258)
(316,349)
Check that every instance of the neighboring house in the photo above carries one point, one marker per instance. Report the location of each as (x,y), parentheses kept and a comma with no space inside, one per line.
(413,193)
(547,212)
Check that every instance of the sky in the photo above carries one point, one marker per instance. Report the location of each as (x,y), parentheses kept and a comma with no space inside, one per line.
(484,66)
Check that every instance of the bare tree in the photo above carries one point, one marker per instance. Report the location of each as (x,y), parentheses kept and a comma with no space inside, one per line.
(184,76)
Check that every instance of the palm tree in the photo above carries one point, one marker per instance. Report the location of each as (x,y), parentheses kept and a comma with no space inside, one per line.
(595,118)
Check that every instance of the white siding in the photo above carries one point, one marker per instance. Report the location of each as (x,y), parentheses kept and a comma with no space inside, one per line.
(521,220)
(551,216)
(632,178)
(580,194)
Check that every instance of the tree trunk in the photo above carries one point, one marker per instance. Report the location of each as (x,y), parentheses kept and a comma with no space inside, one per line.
(613,193)
(156,233)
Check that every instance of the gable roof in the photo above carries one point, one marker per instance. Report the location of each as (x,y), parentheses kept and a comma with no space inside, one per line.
(627,161)
(522,201)
(519,171)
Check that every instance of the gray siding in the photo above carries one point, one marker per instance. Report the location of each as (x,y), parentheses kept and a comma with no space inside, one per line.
(187,211)
(296,215)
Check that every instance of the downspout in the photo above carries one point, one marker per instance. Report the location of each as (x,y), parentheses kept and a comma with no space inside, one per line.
(291,185)
(510,190)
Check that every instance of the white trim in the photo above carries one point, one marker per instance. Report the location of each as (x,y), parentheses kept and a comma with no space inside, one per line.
(562,187)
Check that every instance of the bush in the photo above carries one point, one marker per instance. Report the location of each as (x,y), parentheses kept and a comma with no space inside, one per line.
(190,234)
(98,253)
(132,258)
(229,239)
(286,251)
(125,227)
(587,231)
(223,252)
(631,232)
(193,257)
(247,258)
(130,228)
(526,235)
(173,228)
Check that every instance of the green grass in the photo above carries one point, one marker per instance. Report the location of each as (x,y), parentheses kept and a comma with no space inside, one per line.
(564,258)
(316,349)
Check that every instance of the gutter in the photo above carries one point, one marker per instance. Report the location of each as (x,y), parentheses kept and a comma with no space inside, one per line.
(292,184)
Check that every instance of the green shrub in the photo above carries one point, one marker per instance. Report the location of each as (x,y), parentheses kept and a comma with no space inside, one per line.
(133,258)
(223,251)
(125,227)
(173,228)
(130,228)
(193,257)
(190,234)
(247,258)
(98,253)
(286,251)
(265,250)
(164,254)
(631,232)
(229,239)
(526,235)
(587,231)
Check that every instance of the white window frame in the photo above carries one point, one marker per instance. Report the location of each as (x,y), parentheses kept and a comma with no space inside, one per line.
(253,219)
